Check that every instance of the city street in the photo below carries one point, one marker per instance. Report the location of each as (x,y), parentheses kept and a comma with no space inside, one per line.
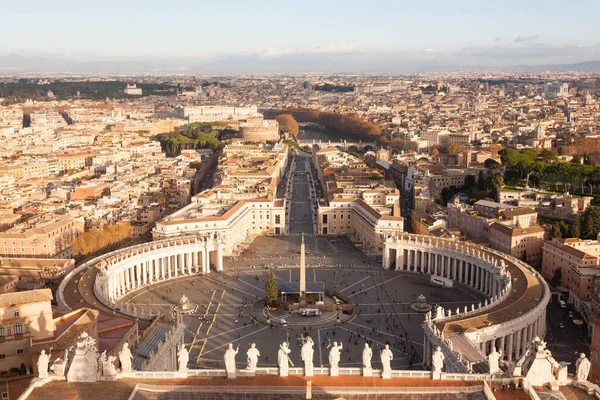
(565,343)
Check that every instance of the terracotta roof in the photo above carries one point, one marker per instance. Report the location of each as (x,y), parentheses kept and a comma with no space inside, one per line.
(30,296)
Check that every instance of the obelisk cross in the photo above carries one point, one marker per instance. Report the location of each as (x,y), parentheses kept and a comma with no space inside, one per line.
(302,271)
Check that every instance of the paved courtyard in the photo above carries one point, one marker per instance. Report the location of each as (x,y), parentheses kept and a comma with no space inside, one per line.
(382,299)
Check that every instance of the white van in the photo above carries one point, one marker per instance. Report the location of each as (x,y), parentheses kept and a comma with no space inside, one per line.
(562,304)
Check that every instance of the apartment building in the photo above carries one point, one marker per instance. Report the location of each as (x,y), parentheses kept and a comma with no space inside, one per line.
(24,317)
(567,254)
(74,161)
(46,237)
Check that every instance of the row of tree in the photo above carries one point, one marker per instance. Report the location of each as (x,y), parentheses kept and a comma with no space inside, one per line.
(95,241)
(287,123)
(528,165)
(347,125)
(193,136)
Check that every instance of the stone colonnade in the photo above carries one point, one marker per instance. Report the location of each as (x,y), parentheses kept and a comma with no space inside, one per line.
(482,269)
(139,266)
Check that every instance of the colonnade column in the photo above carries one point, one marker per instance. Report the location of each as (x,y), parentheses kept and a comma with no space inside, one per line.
(399,259)
(219,257)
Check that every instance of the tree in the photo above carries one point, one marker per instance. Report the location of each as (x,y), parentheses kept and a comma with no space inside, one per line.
(557,277)
(470,181)
(548,156)
(490,164)
(452,149)
(556,232)
(434,151)
(287,123)
(564,228)
(481,181)
(591,223)
(271,291)
(575,229)
(498,181)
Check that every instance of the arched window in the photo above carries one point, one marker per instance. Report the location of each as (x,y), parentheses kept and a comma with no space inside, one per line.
(18,329)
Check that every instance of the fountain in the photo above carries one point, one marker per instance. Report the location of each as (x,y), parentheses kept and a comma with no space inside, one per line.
(421,305)
(184,306)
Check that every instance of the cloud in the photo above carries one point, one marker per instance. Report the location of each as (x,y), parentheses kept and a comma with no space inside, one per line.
(499,39)
(318,49)
(527,38)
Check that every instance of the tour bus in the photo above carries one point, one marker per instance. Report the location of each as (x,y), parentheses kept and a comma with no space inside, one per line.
(439,281)
(311,313)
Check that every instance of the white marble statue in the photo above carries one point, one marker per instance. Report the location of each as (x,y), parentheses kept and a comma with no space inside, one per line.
(108,367)
(101,361)
(42,364)
(125,358)
(84,365)
(283,359)
(437,360)
(252,357)
(307,352)
(334,354)
(583,368)
(183,357)
(367,354)
(386,357)
(494,361)
(230,358)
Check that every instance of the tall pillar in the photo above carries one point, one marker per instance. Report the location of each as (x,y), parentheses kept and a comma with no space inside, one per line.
(510,347)
(128,278)
(399,258)
(502,345)
(408,259)
(430,263)
(422,261)
(206,263)
(220,257)
(144,272)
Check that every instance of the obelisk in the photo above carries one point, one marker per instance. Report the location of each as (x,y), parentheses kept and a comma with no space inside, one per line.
(302,272)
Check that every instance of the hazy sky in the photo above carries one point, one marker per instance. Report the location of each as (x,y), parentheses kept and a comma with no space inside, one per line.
(467,32)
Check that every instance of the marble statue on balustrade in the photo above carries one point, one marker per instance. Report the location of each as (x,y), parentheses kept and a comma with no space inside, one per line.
(183,357)
(125,358)
(84,366)
(252,357)
(494,360)
(437,360)
(101,361)
(386,356)
(367,354)
(582,367)
(334,358)
(109,371)
(537,364)
(283,359)
(229,358)
(306,352)
(42,364)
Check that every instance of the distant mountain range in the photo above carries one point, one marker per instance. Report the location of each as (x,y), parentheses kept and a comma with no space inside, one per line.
(12,64)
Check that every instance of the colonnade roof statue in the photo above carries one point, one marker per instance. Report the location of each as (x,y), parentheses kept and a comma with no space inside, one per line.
(252,357)
(229,358)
